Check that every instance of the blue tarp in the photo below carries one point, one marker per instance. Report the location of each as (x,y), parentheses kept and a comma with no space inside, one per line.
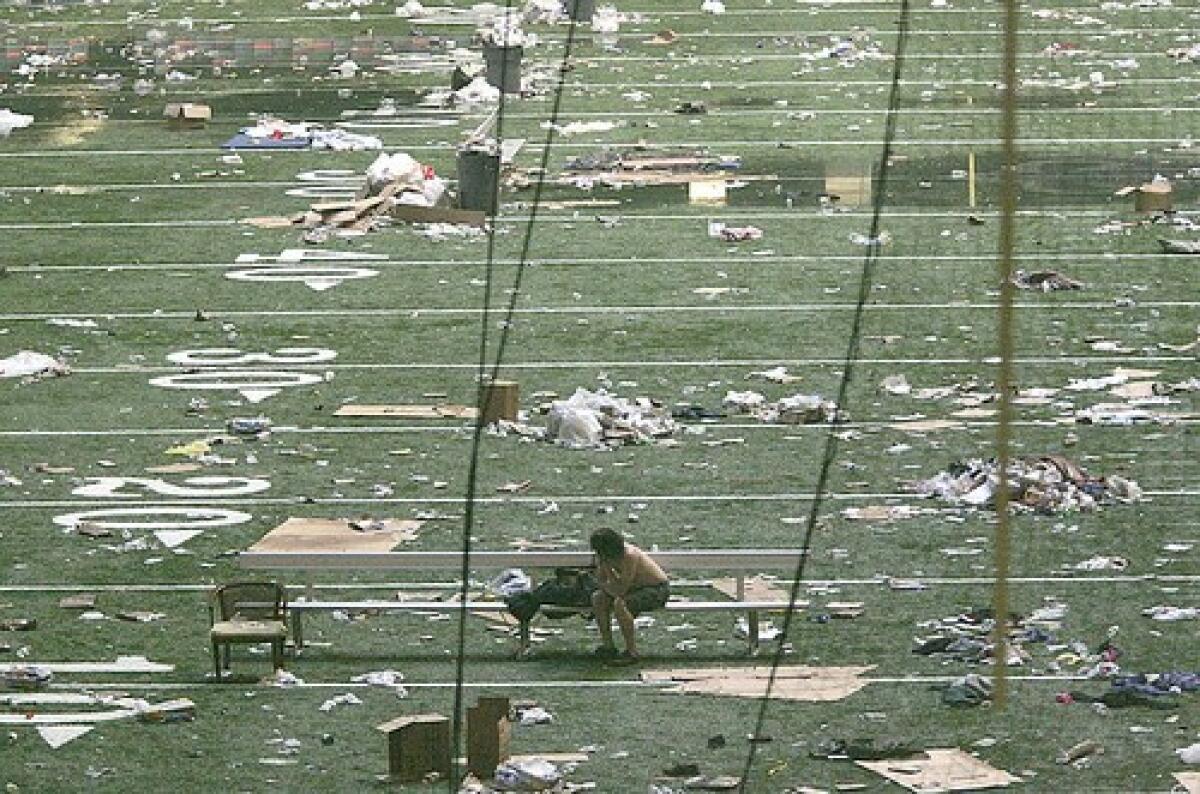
(244,141)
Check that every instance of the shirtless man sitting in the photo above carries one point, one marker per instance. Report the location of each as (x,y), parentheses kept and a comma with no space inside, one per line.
(629,583)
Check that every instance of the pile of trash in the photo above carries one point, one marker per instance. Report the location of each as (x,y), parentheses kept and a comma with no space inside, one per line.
(391,180)
(474,93)
(1050,484)
(1189,54)
(598,419)
(615,168)
(273,133)
(799,409)
(1044,280)
(733,234)
(32,366)
(10,121)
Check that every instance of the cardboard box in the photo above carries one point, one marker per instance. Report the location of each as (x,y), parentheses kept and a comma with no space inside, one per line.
(187,115)
(488,734)
(418,744)
(501,399)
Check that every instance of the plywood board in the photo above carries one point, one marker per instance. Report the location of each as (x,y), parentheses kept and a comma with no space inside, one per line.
(435,411)
(797,683)
(941,770)
(926,425)
(123,664)
(298,535)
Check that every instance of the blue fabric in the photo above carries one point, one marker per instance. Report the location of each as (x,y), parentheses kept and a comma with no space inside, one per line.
(244,141)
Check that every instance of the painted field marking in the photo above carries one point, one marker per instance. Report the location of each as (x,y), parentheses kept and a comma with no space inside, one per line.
(233,356)
(253,385)
(188,487)
(194,517)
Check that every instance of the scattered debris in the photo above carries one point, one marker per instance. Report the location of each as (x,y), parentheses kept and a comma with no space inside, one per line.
(10,121)
(799,409)
(1050,484)
(33,366)
(733,234)
(1045,280)
(589,419)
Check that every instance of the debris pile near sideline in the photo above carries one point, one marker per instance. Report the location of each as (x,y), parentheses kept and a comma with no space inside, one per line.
(1050,484)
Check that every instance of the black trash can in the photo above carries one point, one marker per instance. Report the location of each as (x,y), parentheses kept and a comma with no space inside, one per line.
(503,67)
(478,179)
(581,10)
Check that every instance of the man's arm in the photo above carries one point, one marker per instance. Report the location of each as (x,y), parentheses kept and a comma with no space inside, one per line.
(612,578)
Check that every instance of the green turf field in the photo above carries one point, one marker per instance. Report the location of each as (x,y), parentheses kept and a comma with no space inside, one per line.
(123,246)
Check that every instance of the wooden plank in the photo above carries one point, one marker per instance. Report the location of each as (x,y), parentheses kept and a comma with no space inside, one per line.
(712,559)
(434,411)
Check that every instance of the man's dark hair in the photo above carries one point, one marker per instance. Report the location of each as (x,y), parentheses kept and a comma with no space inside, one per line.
(608,544)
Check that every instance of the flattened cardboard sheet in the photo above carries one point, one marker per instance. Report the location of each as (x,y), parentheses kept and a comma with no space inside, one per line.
(941,770)
(798,683)
(298,535)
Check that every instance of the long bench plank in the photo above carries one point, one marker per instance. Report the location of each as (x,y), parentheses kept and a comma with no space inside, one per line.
(722,559)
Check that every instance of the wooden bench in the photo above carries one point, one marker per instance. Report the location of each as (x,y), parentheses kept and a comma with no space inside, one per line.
(736,561)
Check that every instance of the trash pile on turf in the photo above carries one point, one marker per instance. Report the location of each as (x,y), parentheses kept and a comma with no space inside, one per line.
(1051,485)
(799,409)
(391,180)
(32,366)
(10,121)
(588,420)
(273,133)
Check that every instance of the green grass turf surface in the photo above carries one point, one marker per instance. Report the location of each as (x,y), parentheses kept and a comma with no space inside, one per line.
(137,228)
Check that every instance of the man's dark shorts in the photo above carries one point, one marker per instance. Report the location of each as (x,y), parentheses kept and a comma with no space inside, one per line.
(648,599)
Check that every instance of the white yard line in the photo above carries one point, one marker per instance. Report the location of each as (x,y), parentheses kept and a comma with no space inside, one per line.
(395,429)
(1077,260)
(798,143)
(649,665)
(733,112)
(282,501)
(414,313)
(745,213)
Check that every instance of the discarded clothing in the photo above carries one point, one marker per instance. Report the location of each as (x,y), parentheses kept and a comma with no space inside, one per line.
(970,690)
(570,587)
